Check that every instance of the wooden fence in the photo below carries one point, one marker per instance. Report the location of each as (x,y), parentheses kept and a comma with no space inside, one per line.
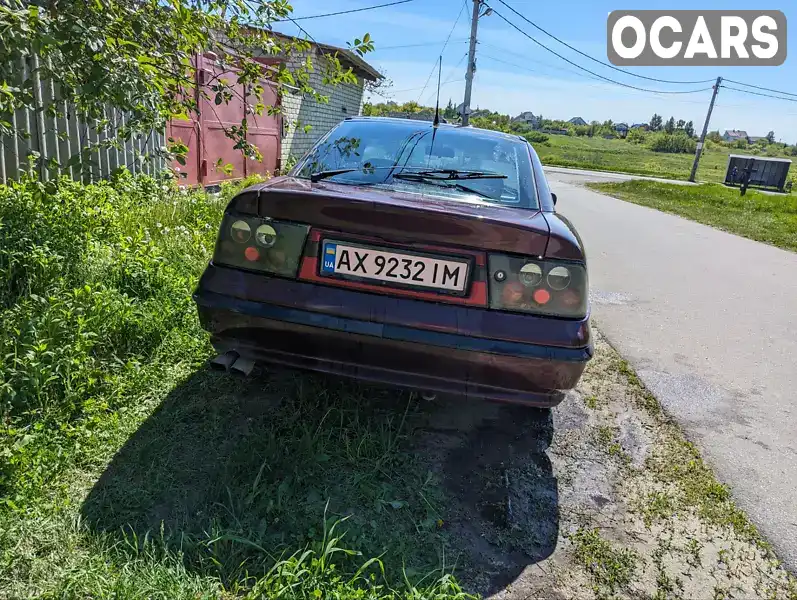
(53,132)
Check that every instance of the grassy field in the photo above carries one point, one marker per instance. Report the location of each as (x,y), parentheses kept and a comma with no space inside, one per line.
(618,155)
(129,469)
(770,218)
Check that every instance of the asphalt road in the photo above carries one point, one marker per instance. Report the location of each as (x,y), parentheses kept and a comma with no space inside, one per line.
(709,321)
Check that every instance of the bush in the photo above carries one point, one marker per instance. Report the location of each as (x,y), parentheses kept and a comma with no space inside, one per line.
(636,135)
(535,137)
(673,143)
(94,279)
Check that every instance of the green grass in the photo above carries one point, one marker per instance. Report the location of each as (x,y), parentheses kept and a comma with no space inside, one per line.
(677,463)
(130,470)
(770,218)
(601,154)
(611,569)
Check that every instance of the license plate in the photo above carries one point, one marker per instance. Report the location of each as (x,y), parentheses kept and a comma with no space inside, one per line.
(364,262)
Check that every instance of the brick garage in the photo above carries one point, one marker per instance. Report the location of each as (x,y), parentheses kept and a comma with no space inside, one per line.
(345,100)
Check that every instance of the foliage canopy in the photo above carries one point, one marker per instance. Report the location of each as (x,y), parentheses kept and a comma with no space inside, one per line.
(138,56)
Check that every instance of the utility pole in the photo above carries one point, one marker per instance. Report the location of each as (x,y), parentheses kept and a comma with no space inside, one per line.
(702,141)
(474,25)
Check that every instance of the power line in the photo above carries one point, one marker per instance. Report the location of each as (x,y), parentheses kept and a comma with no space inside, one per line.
(345,12)
(303,30)
(428,79)
(454,68)
(415,88)
(453,27)
(379,48)
(758,87)
(600,62)
(735,89)
(451,72)
(539,62)
(614,81)
(525,68)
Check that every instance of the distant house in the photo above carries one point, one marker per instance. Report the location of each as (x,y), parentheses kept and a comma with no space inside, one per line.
(529,118)
(577,121)
(642,126)
(757,138)
(481,112)
(556,131)
(733,135)
(621,128)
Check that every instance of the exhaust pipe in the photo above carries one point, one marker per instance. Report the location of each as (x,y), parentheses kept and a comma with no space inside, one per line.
(223,362)
(242,366)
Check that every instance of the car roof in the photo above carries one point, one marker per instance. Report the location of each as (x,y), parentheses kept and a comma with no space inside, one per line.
(416,124)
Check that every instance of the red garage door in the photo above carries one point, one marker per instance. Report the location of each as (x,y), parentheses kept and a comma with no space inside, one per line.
(210,151)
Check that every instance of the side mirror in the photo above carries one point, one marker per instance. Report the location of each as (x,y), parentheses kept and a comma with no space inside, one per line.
(553,197)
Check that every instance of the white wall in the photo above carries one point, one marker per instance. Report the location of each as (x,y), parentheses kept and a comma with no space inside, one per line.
(345,100)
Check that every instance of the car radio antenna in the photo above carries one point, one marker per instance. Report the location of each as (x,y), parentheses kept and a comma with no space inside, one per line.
(437,106)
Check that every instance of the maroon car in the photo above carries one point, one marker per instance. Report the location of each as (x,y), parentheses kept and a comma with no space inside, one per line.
(408,254)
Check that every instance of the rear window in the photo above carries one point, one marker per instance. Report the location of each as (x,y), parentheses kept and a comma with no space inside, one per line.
(378,150)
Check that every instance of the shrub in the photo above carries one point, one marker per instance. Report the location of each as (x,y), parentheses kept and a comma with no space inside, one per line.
(94,279)
(535,137)
(636,135)
(608,132)
(673,143)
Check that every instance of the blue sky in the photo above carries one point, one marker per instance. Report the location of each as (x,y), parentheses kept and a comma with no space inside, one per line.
(515,75)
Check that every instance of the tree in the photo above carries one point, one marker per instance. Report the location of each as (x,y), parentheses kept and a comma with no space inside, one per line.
(450,111)
(771,137)
(139,56)
(680,124)
(669,126)
(655,122)
(380,86)
(689,129)
(410,107)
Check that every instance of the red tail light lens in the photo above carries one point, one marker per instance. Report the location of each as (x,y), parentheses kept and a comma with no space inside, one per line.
(546,287)
(260,244)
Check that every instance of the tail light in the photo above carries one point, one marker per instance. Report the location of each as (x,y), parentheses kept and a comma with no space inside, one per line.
(546,287)
(260,244)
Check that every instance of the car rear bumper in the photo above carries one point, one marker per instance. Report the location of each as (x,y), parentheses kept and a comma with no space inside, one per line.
(375,350)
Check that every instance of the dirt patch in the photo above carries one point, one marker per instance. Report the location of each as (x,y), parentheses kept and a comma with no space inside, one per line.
(600,497)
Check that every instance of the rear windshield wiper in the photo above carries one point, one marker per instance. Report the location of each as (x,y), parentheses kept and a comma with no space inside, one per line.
(443,181)
(366,169)
(448,174)
(432,174)
(314,177)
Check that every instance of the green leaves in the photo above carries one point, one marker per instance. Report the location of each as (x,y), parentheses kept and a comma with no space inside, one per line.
(140,56)
(362,46)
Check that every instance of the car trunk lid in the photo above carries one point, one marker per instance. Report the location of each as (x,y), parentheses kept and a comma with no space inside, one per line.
(403,217)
